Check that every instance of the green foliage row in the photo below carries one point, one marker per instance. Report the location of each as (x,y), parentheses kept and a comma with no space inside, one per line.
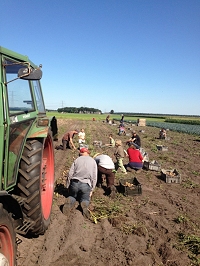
(146,116)
(183,121)
(185,128)
(162,116)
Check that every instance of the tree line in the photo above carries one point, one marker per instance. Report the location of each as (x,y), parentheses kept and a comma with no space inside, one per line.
(81,110)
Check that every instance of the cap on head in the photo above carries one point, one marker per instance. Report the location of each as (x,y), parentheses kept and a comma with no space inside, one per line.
(76,130)
(134,132)
(82,150)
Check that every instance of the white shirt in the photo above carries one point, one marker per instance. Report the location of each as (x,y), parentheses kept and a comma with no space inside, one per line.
(81,136)
(105,161)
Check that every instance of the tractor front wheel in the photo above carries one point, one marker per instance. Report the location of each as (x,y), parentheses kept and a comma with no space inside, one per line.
(36,182)
(7,239)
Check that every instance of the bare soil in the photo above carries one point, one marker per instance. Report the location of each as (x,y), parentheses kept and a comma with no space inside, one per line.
(159,227)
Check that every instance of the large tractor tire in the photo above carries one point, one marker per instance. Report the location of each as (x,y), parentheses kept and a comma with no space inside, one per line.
(7,239)
(36,183)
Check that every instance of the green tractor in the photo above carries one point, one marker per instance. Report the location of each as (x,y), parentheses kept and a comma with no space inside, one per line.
(26,153)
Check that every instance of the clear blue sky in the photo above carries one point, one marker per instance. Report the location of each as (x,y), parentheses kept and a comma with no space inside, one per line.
(122,55)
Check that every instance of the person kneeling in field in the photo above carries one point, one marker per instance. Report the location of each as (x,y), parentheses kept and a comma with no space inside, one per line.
(162,134)
(81,182)
(81,136)
(122,130)
(135,158)
(135,139)
(111,144)
(67,139)
(106,167)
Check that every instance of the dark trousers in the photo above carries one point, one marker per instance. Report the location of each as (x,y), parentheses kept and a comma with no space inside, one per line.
(65,144)
(78,188)
(135,165)
(110,176)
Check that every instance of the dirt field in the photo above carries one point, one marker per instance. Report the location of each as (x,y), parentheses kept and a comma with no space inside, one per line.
(159,227)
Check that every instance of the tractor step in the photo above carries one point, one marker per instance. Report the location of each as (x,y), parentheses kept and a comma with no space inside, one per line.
(25,227)
(19,199)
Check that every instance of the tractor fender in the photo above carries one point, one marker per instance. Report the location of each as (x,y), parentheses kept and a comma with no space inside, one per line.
(38,133)
(45,126)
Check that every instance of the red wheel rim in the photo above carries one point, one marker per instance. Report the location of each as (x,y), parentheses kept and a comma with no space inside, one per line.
(6,244)
(47,178)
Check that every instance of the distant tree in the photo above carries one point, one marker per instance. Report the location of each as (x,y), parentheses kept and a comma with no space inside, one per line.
(84,110)
(112,112)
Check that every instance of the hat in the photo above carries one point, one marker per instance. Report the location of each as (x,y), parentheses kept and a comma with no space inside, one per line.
(76,130)
(82,150)
(133,131)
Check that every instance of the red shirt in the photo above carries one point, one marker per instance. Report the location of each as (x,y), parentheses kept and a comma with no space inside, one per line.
(134,155)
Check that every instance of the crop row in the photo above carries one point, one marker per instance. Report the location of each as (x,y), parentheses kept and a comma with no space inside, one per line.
(185,128)
(183,121)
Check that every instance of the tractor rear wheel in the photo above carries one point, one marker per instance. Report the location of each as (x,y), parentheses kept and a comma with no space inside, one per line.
(36,183)
(7,239)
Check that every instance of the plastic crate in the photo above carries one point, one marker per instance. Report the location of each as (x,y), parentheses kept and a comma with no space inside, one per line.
(162,148)
(153,165)
(171,176)
(130,187)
